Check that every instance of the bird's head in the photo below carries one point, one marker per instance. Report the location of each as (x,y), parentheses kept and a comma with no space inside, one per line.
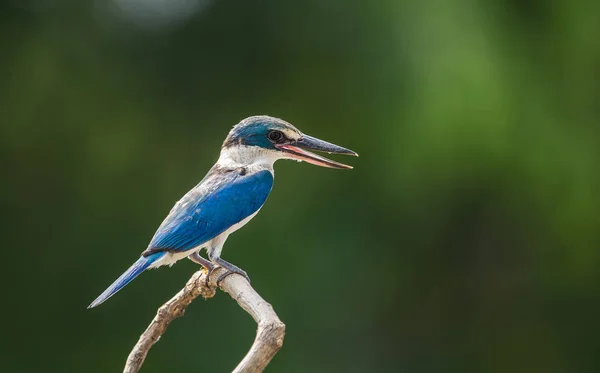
(264,137)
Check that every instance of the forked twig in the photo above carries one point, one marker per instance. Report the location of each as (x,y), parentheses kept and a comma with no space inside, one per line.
(269,335)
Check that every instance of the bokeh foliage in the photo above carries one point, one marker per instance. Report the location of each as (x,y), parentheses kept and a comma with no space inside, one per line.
(465,240)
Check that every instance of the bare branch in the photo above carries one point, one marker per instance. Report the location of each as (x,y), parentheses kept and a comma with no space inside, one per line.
(269,336)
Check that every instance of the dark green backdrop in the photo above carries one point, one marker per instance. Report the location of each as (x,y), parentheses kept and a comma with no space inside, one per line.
(466,239)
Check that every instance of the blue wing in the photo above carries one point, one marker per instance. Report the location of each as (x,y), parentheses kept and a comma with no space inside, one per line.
(223,198)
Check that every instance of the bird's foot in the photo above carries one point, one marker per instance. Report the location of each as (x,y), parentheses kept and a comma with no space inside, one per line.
(228,273)
(231,269)
(207,264)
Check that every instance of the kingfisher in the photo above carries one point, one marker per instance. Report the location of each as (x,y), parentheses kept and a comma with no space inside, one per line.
(231,193)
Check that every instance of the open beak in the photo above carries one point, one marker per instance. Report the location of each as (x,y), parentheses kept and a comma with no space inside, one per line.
(296,150)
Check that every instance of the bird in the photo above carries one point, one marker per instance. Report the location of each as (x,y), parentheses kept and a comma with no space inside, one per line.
(230,195)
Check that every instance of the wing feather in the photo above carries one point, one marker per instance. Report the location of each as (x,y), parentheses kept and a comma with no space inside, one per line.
(222,199)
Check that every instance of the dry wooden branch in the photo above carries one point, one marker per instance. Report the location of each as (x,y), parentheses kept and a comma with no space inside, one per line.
(269,336)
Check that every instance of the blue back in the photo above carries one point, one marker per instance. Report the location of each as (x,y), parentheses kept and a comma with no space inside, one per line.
(223,198)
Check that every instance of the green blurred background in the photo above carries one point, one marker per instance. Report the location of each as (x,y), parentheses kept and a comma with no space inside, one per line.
(465,239)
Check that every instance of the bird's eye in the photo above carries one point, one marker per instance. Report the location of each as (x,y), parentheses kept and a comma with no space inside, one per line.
(275,136)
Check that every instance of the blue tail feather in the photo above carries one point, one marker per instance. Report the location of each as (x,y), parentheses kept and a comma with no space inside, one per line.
(138,267)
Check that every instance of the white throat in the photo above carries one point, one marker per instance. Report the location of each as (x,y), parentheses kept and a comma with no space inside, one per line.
(248,156)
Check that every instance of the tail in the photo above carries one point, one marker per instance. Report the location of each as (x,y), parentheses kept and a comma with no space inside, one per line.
(133,272)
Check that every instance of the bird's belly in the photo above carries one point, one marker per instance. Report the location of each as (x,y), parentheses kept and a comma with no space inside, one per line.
(237,226)
(171,257)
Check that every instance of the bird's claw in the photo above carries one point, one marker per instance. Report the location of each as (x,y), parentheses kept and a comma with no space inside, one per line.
(224,275)
(229,273)
(231,269)
(208,274)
